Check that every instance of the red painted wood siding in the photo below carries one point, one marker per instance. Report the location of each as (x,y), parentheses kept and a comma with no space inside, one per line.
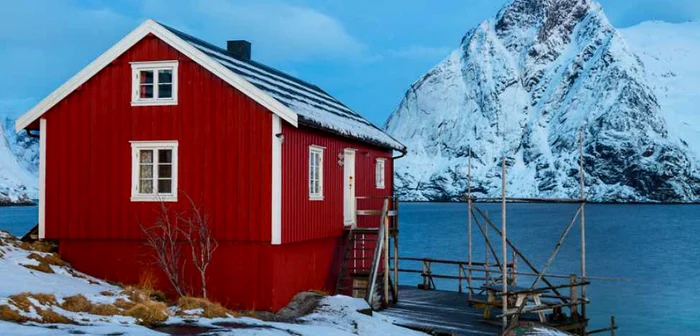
(303,219)
(224,153)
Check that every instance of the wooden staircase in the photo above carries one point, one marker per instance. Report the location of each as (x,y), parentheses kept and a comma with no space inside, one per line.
(360,244)
(364,270)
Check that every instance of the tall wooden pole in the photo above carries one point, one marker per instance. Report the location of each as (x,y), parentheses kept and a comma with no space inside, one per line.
(469,224)
(504,263)
(583,225)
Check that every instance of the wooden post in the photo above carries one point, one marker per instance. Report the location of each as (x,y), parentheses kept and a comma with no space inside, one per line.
(573,293)
(583,225)
(514,270)
(612,325)
(504,260)
(396,251)
(486,252)
(424,273)
(460,272)
(522,256)
(469,224)
(386,259)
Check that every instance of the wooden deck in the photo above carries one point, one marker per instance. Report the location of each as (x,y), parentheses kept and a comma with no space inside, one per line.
(441,312)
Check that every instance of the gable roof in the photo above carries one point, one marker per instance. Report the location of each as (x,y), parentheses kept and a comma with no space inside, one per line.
(292,99)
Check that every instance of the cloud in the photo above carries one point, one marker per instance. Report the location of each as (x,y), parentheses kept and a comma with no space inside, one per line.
(277,30)
(44,44)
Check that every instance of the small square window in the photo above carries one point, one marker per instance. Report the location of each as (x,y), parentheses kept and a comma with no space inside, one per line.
(154,83)
(154,172)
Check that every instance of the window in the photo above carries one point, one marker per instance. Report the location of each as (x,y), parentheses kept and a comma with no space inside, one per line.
(154,171)
(315,173)
(379,173)
(154,83)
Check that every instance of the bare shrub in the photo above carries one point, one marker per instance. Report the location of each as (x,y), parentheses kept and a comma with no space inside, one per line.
(163,239)
(197,232)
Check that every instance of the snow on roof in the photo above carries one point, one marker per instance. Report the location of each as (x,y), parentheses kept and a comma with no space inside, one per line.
(315,107)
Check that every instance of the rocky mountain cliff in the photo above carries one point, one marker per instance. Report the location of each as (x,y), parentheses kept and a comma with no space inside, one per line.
(527,84)
(19,161)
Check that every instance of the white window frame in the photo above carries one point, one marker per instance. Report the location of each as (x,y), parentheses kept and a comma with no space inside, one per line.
(136,147)
(318,195)
(380,173)
(137,67)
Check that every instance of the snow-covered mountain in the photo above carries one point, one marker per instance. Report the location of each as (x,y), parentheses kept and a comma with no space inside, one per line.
(19,159)
(525,84)
(670,52)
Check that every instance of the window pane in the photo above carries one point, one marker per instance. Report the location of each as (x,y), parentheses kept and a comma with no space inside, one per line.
(165,186)
(165,155)
(146,91)
(146,76)
(146,186)
(165,76)
(146,156)
(146,171)
(165,171)
(165,90)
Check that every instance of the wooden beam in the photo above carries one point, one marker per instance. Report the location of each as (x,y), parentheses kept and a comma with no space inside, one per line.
(512,246)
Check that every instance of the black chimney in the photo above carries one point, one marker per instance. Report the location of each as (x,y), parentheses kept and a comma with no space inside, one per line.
(239,49)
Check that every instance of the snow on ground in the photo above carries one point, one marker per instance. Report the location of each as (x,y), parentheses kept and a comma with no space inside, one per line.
(335,315)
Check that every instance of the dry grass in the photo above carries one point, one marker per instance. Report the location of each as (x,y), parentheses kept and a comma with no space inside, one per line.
(147,280)
(76,303)
(50,316)
(51,259)
(210,309)
(123,304)
(104,310)
(39,246)
(319,292)
(106,293)
(148,313)
(45,299)
(21,301)
(9,314)
(42,267)
(140,295)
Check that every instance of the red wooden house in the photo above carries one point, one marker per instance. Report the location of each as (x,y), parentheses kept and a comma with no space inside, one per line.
(275,162)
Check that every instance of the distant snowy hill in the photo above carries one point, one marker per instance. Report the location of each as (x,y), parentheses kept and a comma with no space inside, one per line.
(670,52)
(525,84)
(19,158)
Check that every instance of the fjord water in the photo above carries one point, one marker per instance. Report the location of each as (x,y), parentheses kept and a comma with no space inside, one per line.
(656,247)
(18,220)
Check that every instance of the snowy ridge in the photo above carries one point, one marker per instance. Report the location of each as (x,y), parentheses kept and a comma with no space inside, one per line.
(526,84)
(19,155)
(669,53)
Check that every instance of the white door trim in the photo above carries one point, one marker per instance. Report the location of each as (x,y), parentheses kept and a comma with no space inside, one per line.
(276,216)
(349,188)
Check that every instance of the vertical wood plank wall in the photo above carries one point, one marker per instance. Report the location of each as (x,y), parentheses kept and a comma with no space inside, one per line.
(224,153)
(304,219)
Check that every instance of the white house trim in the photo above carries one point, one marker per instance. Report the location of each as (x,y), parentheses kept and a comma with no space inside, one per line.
(42,178)
(152,27)
(277,140)
(137,67)
(136,146)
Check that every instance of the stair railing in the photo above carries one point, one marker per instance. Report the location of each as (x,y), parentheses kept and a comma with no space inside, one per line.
(379,249)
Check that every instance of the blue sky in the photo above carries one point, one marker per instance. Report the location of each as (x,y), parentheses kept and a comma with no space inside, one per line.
(364,52)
